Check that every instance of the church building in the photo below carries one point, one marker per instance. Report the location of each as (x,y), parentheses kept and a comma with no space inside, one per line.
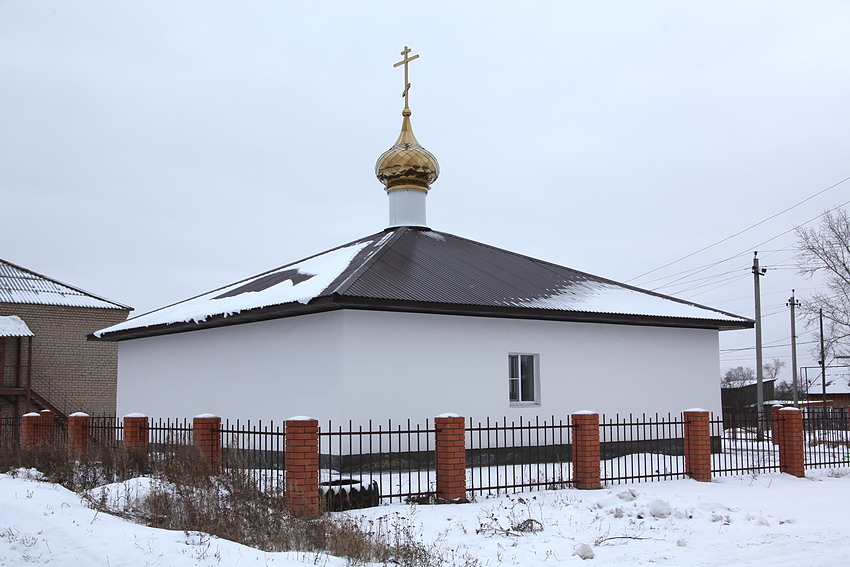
(410,323)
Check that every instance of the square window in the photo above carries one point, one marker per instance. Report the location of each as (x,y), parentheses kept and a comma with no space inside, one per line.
(523,382)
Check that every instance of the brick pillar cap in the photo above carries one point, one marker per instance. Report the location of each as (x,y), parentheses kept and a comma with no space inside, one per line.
(135,415)
(205,416)
(79,414)
(778,405)
(32,414)
(584,412)
(45,411)
(696,409)
(301,418)
(790,409)
(449,415)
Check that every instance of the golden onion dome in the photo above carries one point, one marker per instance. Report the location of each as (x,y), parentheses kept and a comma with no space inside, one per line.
(407,165)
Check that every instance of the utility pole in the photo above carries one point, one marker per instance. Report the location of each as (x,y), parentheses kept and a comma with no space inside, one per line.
(793,304)
(757,273)
(822,363)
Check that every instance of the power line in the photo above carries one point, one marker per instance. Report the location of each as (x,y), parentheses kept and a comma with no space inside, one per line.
(759,245)
(742,231)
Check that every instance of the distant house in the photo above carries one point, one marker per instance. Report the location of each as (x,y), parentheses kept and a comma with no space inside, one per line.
(45,360)
(837,392)
(745,397)
(411,323)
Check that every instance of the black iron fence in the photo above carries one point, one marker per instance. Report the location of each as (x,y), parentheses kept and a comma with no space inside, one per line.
(258,449)
(393,462)
(827,439)
(746,444)
(518,455)
(639,449)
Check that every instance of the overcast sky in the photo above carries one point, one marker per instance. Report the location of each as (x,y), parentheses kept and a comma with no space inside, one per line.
(151,151)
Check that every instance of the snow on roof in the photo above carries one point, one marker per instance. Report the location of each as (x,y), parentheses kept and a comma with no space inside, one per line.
(601,297)
(838,383)
(19,285)
(14,326)
(299,282)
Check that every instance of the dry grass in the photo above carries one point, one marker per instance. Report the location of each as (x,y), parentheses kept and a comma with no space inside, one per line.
(228,505)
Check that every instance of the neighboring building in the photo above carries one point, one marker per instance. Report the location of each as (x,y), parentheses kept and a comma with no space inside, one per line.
(837,391)
(740,398)
(410,323)
(46,362)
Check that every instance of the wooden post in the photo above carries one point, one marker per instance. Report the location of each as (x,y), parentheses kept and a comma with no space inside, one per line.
(79,429)
(302,467)
(697,444)
(450,456)
(586,450)
(206,435)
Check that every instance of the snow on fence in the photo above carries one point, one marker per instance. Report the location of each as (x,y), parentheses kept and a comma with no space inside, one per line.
(411,462)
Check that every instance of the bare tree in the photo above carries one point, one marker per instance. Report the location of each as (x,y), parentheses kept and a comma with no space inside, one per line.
(772,368)
(737,377)
(784,390)
(825,250)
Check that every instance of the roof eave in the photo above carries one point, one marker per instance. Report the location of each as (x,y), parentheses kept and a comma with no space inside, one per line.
(335,302)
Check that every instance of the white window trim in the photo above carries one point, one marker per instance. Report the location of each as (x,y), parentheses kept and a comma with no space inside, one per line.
(526,403)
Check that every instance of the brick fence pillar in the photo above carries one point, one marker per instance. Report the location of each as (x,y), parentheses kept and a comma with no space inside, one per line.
(136,432)
(450,456)
(586,451)
(697,444)
(302,467)
(791,450)
(46,427)
(206,434)
(30,429)
(79,429)
(774,423)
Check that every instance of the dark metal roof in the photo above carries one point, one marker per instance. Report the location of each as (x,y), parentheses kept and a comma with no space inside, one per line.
(420,270)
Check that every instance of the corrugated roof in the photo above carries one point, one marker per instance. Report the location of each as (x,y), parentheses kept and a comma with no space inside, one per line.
(20,285)
(420,270)
(14,326)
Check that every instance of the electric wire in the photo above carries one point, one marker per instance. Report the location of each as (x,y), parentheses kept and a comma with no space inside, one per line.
(834,185)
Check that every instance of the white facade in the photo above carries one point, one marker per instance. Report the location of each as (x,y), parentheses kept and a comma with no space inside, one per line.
(362,365)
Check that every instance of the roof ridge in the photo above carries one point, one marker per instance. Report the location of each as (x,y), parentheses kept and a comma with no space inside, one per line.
(75,288)
(550,265)
(396,234)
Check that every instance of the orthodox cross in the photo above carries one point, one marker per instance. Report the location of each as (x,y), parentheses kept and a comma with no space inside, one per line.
(404,62)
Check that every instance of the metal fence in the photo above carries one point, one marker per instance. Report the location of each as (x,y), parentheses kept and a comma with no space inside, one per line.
(826,440)
(638,449)
(396,459)
(258,449)
(106,432)
(10,433)
(744,445)
(518,455)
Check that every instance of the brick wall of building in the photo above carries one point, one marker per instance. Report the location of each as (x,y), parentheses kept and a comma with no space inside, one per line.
(73,373)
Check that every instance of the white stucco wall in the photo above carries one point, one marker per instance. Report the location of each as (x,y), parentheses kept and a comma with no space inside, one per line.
(459,365)
(259,371)
(363,365)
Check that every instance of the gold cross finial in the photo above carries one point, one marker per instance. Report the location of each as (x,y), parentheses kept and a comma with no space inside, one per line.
(404,62)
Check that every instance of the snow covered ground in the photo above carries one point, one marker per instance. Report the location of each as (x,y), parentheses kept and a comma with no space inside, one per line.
(769,519)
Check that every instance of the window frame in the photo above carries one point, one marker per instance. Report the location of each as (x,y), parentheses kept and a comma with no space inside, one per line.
(515,362)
